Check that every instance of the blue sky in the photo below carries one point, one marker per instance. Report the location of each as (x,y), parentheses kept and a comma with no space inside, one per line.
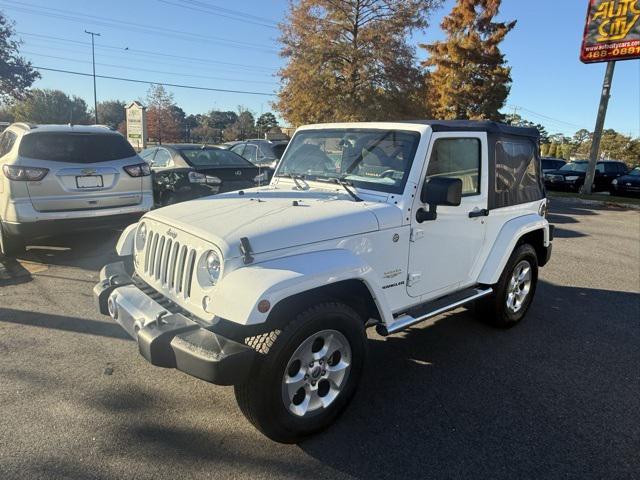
(170,43)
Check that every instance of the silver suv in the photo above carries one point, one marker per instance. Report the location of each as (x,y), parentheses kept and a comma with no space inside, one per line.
(59,178)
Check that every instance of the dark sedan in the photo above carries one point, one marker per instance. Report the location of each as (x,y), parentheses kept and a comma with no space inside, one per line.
(627,185)
(571,176)
(184,172)
(550,164)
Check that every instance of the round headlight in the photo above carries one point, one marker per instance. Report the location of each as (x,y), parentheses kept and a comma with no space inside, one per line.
(141,236)
(614,181)
(212,265)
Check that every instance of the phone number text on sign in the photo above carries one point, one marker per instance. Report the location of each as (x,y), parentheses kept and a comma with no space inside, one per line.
(612,31)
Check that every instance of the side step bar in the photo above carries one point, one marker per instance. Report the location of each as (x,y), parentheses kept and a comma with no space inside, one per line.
(431,309)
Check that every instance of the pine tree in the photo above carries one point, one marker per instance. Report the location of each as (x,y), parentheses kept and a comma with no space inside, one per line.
(350,60)
(468,76)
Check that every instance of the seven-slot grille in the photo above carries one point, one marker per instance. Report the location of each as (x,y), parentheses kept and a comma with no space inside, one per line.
(169,263)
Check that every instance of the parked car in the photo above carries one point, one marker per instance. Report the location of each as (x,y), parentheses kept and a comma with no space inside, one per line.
(187,171)
(571,176)
(551,164)
(227,145)
(627,185)
(263,153)
(271,290)
(60,178)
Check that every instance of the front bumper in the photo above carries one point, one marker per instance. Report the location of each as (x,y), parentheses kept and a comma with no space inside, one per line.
(170,340)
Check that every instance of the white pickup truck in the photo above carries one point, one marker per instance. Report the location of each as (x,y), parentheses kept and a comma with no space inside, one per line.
(363,224)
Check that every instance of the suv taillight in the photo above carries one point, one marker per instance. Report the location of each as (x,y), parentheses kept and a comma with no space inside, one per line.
(138,170)
(24,174)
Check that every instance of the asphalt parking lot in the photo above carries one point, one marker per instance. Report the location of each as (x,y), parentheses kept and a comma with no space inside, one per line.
(556,397)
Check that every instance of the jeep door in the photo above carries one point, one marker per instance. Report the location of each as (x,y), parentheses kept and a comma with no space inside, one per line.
(445,252)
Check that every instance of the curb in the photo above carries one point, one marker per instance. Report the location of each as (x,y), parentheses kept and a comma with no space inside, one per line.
(593,203)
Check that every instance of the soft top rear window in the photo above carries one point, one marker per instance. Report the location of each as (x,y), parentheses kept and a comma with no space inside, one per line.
(75,147)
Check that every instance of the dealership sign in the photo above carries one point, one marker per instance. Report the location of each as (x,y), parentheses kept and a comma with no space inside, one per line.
(137,125)
(612,31)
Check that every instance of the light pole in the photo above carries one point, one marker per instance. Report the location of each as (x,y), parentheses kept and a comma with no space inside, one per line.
(93,56)
(597,133)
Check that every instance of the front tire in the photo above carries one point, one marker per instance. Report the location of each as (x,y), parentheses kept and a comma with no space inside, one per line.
(308,376)
(514,291)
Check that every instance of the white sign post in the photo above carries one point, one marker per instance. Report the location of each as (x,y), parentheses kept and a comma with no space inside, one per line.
(137,125)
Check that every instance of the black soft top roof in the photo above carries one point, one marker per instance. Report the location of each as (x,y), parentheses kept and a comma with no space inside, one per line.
(479,126)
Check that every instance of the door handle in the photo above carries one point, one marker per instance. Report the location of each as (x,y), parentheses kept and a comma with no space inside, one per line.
(479,213)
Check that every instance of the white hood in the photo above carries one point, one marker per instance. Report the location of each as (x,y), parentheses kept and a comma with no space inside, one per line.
(271,219)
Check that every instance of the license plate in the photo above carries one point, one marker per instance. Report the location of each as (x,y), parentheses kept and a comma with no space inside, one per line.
(89,181)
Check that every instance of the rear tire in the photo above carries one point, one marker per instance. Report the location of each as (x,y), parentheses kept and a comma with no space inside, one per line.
(10,245)
(514,291)
(279,399)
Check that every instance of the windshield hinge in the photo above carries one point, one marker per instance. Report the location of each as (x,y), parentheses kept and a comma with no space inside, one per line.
(416,234)
(413,278)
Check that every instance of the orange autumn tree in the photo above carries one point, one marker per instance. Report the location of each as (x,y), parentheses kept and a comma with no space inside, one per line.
(469,77)
(349,60)
(164,117)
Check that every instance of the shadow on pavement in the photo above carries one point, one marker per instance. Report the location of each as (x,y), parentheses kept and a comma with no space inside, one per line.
(12,272)
(555,396)
(86,250)
(58,322)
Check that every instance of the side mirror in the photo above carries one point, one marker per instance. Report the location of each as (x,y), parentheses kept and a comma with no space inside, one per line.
(439,191)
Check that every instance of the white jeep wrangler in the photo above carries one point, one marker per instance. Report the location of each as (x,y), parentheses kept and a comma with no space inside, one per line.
(363,224)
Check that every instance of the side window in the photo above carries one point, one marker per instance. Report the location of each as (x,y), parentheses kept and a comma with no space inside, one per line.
(251,153)
(611,168)
(238,149)
(147,155)
(517,173)
(622,169)
(457,158)
(600,167)
(162,159)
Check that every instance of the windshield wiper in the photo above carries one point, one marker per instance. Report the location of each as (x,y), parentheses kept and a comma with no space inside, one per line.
(297,179)
(347,186)
(343,183)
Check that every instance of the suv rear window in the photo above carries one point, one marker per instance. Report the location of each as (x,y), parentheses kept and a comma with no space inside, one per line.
(75,147)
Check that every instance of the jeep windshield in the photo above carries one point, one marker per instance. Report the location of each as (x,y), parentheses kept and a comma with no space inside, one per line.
(365,158)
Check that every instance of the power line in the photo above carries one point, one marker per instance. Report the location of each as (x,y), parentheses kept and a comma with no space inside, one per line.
(146,69)
(231,14)
(147,52)
(149,82)
(209,70)
(139,28)
(518,107)
(228,10)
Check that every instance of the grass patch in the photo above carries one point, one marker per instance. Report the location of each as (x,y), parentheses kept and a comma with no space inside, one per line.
(596,197)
